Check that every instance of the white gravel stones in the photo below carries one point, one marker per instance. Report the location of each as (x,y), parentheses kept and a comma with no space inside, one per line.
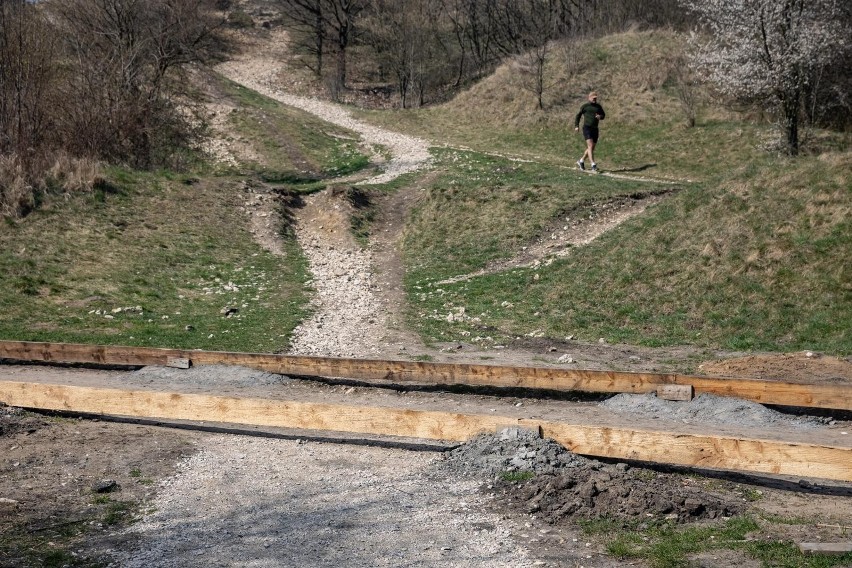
(349,320)
(279,503)
(408,152)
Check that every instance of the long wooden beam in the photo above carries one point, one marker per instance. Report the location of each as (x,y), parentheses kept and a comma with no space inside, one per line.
(706,451)
(833,396)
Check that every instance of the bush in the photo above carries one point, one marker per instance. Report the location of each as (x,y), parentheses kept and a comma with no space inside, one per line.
(21,190)
(89,80)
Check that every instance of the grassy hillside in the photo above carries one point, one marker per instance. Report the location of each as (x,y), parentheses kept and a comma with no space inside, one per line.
(286,145)
(752,253)
(635,74)
(153,259)
(757,262)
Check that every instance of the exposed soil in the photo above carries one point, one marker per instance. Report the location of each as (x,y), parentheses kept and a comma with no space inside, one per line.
(565,235)
(64,477)
(802,366)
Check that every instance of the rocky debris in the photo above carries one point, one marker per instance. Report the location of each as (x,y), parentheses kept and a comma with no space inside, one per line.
(349,319)
(566,486)
(708,409)
(105,486)
(14,420)
(510,450)
(594,490)
(229,311)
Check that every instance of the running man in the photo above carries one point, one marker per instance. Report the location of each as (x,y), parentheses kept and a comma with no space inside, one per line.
(591,113)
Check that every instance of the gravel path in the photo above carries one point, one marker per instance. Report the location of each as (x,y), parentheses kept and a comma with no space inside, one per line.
(275,503)
(350,316)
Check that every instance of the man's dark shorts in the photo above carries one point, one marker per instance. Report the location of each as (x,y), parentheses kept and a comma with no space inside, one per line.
(590,133)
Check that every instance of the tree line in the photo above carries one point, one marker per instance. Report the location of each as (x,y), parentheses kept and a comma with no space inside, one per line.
(427,48)
(789,55)
(106,79)
(96,79)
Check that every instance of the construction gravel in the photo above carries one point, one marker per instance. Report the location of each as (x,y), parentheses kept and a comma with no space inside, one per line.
(709,409)
(511,450)
(255,502)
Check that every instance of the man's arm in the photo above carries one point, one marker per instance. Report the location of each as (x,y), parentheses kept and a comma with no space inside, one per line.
(601,113)
(577,118)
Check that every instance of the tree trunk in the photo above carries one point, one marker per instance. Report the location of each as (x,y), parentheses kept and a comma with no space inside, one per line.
(790,105)
(341,67)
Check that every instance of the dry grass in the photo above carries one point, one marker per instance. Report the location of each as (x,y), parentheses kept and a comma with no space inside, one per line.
(636,74)
(22,187)
(72,175)
(16,194)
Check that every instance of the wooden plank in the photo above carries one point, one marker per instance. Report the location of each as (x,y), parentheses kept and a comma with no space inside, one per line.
(258,412)
(832,548)
(676,392)
(835,396)
(722,452)
(705,451)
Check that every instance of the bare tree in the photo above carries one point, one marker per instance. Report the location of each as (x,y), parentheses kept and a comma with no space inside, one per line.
(28,74)
(325,27)
(770,50)
(405,36)
(306,19)
(127,57)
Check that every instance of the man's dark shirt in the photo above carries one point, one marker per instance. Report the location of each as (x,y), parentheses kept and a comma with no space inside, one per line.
(588,112)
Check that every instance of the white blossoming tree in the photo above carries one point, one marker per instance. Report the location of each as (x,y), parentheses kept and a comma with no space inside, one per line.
(770,50)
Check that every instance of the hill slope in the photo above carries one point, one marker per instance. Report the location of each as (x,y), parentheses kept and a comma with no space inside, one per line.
(752,255)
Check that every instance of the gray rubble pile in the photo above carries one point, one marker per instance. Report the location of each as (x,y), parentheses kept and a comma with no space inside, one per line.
(708,409)
(510,450)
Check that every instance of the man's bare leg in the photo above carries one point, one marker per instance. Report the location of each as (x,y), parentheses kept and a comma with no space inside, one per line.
(590,150)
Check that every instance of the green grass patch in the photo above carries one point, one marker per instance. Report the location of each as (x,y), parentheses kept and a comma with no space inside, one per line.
(484,208)
(154,264)
(516,476)
(293,148)
(756,262)
(664,544)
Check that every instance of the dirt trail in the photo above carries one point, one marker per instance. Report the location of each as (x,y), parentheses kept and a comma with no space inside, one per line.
(566,234)
(350,312)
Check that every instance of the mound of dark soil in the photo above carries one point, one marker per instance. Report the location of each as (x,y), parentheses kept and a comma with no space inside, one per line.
(14,420)
(595,490)
(566,486)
